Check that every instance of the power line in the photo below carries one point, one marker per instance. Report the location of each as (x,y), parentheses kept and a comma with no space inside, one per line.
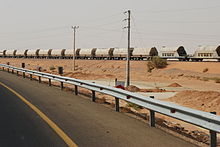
(137,31)
(180,10)
(56,35)
(103,29)
(35,31)
(204,22)
(121,38)
(102,18)
(106,24)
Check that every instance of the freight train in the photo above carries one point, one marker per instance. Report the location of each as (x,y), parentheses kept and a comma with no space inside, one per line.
(170,53)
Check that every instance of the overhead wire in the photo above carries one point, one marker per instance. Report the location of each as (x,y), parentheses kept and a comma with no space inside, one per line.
(204,22)
(35,31)
(137,31)
(121,38)
(102,18)
(180,10)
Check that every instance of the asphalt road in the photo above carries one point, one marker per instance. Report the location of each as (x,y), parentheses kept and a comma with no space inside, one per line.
(85,122)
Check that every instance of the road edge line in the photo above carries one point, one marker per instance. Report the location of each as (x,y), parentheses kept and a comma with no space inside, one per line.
(55,127)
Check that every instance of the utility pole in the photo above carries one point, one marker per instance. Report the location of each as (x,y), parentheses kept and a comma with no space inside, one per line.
(128,52)
(74,46)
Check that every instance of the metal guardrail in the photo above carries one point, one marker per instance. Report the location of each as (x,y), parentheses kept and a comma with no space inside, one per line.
(199,118)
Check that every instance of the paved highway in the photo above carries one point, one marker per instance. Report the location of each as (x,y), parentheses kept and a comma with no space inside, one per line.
(47,116)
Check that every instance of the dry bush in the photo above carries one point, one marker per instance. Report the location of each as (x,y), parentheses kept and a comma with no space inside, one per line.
(205,70)
(156,62)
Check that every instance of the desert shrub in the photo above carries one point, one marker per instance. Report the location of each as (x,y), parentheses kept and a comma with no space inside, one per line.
(205,69)
(156,62)
(52,68)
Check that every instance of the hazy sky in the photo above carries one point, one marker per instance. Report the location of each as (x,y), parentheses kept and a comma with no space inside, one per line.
(46,23)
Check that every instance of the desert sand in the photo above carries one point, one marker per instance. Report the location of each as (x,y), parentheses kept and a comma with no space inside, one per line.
(197,84)
(186,77)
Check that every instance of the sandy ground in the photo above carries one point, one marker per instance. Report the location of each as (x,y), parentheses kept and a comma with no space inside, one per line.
(196,66)
(183,73)
(189,76)
(192,88)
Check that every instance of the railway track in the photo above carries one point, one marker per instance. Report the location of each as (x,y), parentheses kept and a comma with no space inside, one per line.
(116,59)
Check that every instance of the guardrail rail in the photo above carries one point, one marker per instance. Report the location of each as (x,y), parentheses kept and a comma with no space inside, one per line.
(202,119)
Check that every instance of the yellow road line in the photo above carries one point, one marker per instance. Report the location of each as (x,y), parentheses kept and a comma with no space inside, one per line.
(63,135)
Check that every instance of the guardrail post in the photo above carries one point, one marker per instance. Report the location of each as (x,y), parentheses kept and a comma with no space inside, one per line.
(117,104)
(93,95)
(23,65)
(39,79)
(213,136)
(49,82)
(152,116)
(23,74)
(61,85)
(76,90)
(31,77)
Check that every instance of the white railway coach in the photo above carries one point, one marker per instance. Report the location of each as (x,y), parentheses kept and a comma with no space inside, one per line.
(173,53)
(208,53)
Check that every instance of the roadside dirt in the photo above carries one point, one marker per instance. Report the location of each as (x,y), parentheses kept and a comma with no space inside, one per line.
(208,101)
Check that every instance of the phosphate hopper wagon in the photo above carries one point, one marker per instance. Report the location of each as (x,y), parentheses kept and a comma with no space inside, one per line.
(174,53)
(208,53)
(144,53)
(57,53)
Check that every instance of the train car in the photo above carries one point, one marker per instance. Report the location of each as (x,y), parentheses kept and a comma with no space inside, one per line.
(32,53)
(69,53)
(57,53)
(10,53)
(144,53)
(87,53)
(43,53)
(207,53)
(121,53)
(174,53)
(21,53)
(2,53)
(106,53)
